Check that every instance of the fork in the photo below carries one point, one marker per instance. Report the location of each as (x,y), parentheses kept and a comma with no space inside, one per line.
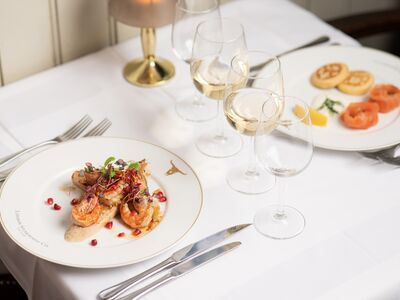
(388,155)
(99,129)
(71,133)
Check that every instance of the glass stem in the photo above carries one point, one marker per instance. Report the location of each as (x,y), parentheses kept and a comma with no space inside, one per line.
(220,121)
(280,211)
(252,161)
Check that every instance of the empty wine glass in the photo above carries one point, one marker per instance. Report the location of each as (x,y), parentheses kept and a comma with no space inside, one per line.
(216,43)
(243,109)
(188,14)
(285,153)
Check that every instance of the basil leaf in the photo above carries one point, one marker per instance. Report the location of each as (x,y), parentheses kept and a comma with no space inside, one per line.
(109,160)
(134,165)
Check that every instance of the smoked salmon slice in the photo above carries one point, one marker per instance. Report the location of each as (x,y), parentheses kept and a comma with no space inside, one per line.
(360,115)
(387,96)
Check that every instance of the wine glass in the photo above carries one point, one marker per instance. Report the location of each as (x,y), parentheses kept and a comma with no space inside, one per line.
(215,44)
(243,109)
(188,14)
(285,153)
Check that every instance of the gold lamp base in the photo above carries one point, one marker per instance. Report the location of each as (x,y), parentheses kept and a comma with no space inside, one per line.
(149,71)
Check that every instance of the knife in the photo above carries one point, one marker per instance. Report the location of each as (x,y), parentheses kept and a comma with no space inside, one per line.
(183,269)
(179,256)
(317,41)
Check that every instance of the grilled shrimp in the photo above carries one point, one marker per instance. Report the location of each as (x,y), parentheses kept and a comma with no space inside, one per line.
(84,179)
(87,211)
(137,212)
(113,195)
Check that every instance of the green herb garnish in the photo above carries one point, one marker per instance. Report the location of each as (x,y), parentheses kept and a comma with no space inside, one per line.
(330,105)
(134,165)
(109,160)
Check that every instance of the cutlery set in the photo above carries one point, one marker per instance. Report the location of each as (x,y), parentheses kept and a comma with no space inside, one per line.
(182,262)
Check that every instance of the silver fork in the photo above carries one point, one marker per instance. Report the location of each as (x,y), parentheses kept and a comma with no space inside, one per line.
(390,155)
(71,133)
(99,129)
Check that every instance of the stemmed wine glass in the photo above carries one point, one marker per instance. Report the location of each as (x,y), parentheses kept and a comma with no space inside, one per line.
(215,44)
(285,153)
(188,14)
(243,109)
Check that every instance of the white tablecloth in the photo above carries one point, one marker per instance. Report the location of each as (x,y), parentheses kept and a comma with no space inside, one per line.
(350,248)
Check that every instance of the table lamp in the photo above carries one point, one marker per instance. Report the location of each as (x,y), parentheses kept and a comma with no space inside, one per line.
(149,71)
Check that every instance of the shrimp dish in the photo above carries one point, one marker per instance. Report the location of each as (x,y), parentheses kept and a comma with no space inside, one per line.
(116,188)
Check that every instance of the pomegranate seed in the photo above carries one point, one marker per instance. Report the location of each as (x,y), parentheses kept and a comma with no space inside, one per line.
(50,201)
(121,234)
(109,225)
(56,206)
(93,242)
(163,199)
(74,201)
(159,194)
(137,232)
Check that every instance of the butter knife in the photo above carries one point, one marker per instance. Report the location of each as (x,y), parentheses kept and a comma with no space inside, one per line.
(176,258)
(183,269)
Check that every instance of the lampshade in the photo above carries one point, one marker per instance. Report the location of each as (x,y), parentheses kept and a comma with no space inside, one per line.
(143,13)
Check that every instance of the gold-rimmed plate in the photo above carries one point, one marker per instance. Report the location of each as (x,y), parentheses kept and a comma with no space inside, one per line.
(39,229)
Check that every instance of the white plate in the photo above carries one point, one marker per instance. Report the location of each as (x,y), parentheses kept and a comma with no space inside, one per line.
(39,229)
(297,68)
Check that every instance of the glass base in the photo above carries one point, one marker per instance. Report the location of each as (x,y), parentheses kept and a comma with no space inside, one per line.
(271,224)
(195,110)
(244,181)
(219,146)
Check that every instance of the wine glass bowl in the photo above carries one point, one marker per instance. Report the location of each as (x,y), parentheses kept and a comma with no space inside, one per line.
(217,42)
(242,110)
(188,14)
(294,137)
(285,153)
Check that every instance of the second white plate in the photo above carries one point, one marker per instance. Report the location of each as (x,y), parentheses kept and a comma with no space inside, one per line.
(297,68)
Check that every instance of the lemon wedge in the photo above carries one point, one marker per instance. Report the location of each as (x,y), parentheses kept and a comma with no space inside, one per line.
(316,117)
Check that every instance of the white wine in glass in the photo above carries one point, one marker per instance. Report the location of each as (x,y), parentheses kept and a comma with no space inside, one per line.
(215,44)
(212,78)
(188,14)
(242,110)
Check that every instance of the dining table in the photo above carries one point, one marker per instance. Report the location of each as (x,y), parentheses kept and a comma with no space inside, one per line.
(350,248)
